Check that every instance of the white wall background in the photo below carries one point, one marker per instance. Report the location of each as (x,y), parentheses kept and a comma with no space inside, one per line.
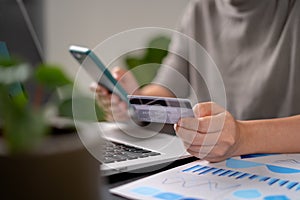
(89,22)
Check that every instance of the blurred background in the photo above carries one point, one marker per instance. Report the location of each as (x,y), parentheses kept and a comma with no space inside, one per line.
(41,31)
(60,23)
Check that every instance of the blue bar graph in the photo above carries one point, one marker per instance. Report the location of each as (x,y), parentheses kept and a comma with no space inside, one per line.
(283,182)
(208,170)
(218,171)
(235,174)
(291,185)
(243,176)
(192,168)
(264,178)
(254,177)
(272,181)
(225,173)
(202,170)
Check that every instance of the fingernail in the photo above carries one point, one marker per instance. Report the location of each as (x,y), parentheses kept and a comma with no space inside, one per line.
(114,74)
(175,127)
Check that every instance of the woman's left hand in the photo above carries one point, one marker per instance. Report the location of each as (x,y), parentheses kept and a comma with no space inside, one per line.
(213,134)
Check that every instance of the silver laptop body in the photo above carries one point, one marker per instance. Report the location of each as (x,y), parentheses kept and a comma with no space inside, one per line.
(169,147)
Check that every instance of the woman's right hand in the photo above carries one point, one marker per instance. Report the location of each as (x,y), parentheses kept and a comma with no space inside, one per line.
(114,107)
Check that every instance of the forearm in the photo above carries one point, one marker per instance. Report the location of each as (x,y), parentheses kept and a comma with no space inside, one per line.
(155,90)
(280,135)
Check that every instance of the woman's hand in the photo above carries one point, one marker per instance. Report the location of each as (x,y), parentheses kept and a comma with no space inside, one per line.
(213,134)
(114,107)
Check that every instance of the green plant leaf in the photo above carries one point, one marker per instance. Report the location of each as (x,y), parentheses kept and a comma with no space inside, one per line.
(87,112)
(18,96)
(51,76)
(6,62)
(4,101)
(14,74)
(132,62)
(160,42)
(158,49)
(149,59)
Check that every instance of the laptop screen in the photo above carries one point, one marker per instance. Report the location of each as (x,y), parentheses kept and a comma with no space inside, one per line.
(20,25)
(22,31)
(3,50)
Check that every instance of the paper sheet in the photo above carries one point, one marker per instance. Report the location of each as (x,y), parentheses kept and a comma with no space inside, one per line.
(235,178)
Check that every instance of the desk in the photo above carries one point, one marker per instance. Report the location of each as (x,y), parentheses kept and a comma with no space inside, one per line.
(123,178)
(273,176)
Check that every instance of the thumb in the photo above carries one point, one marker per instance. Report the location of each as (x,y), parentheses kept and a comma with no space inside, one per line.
(118,73)
(126,79)
(207,109)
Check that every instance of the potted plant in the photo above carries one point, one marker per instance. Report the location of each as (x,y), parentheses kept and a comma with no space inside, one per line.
(41,154)
(145,64)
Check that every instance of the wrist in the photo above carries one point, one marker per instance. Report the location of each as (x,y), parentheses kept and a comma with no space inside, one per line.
(245,143)
(137,92)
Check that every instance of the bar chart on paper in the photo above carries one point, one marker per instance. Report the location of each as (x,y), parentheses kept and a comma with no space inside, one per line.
(231,179)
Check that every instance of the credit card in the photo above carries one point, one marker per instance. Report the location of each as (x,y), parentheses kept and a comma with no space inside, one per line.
(160,109)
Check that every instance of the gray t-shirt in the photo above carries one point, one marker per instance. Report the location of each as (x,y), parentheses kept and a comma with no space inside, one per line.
(256,46)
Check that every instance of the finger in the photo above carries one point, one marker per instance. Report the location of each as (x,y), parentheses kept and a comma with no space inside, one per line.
(195,138)
(207,109)
(118,73)
(115,99)
(109,100)
(208,124)
(104,100)
(189,136)
(120,108)
(126,79)
(124,106)
(118,104)
(199,148)
(205,153)
(116,117)
(195,148)
(101,102)
(95,87)
(210,153)
(120,115)
(109,118)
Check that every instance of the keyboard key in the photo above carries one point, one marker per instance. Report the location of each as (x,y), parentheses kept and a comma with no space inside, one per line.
(153,154)
(116,152)
(108,160)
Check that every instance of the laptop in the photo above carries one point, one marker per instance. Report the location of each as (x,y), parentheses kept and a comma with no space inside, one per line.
(137,149)
(127,146)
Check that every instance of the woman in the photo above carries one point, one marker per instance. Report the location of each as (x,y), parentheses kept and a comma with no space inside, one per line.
(255,45)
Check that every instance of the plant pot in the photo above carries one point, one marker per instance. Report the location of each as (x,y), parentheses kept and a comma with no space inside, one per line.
(61,169)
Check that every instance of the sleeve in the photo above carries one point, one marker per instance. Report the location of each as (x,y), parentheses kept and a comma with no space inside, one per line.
(174,71)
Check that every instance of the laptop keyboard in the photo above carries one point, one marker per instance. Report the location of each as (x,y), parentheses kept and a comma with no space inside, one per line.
(117,152)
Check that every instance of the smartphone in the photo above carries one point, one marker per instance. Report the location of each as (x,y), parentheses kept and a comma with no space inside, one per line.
(97,70)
